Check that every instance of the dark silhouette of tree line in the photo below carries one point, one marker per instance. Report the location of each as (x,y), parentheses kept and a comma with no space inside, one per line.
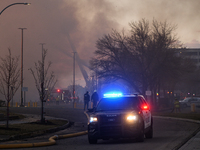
(146,57)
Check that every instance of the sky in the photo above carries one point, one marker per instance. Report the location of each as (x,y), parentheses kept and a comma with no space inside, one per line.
(49,22)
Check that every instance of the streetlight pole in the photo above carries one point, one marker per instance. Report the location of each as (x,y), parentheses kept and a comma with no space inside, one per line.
(22,29)
(74,80)
(21,49)
(14,4)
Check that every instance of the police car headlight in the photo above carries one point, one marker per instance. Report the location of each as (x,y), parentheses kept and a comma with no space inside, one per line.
(93,119)
(131,117)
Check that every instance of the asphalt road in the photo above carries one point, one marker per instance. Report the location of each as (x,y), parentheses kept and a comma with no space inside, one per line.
(168,133)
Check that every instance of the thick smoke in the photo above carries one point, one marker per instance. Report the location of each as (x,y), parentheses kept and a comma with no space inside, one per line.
(49,21)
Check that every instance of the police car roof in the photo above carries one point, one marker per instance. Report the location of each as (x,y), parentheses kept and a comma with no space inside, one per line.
(124,95)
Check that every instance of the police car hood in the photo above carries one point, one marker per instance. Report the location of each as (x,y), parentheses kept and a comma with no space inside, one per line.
(115,112)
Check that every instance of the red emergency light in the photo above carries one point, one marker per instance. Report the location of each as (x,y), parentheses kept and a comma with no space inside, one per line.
(145,107)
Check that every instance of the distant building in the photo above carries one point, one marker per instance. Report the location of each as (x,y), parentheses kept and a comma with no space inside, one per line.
(193,53)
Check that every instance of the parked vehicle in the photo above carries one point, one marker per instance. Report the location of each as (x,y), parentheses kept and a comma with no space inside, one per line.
(190,100)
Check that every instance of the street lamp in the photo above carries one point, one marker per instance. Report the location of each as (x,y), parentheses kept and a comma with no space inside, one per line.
(14,4)
(21,49)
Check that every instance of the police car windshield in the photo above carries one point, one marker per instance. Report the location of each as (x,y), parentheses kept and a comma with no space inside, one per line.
(119,103)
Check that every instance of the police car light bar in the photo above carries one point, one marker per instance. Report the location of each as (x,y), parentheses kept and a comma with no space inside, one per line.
(113,95)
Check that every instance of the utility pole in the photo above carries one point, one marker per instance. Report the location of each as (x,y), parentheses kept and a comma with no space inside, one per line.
(74,81)
(42,86)
(22,105)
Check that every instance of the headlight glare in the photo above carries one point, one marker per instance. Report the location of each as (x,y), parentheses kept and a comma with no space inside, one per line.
(131,117)
(93,119)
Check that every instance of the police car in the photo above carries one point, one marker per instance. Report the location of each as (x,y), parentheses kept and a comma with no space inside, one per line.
(120,116)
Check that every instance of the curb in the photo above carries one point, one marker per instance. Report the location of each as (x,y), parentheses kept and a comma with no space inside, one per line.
(181,119)
(50,142)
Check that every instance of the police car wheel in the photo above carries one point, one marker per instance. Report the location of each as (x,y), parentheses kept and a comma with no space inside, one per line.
(140,137)
(149,134)
(92,140)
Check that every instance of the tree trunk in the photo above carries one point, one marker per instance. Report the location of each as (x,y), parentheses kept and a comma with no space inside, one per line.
(7,116)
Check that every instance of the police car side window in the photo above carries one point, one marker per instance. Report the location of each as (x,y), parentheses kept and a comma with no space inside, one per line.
(143,101)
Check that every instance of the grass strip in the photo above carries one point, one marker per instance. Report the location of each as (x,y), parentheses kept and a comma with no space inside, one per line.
(17,129)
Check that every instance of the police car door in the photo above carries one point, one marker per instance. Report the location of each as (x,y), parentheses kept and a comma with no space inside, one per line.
(146,112)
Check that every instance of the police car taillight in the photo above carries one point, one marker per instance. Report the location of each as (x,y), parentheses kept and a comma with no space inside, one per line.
(145,107)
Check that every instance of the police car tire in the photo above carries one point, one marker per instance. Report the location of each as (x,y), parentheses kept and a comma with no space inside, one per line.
(92,140)
(149,134)
(140,137)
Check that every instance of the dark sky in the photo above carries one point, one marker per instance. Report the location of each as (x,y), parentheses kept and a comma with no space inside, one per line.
(49,21)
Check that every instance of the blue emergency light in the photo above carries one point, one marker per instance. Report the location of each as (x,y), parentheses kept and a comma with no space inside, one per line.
(112,95)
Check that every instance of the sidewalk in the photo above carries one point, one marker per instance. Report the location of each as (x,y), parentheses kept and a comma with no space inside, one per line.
(192,144)
(28,118)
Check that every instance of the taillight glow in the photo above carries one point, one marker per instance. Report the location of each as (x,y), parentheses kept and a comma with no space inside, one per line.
(145,107)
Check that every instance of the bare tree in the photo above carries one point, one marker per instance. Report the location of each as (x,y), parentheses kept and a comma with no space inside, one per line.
(145,59)
(44,81)
(113,58)
(9,75)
